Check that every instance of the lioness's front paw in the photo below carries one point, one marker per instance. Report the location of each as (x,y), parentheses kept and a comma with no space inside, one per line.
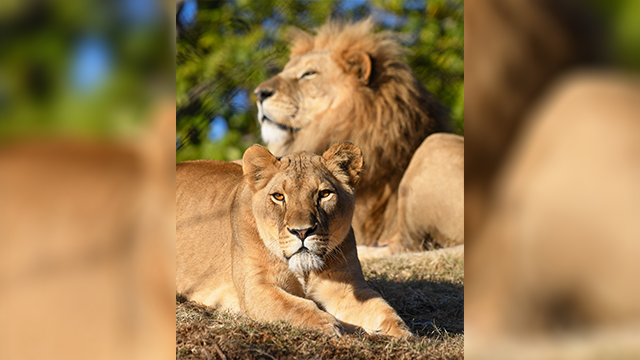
(326,323)
(395,328)
(401,333)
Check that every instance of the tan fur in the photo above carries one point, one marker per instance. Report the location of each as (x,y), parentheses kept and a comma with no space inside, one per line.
(349,83)
(87,245)
(559,251)
(263,239)
(439,205)
(514,49)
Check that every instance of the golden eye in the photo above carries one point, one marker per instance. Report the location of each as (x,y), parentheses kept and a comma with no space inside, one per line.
(277,197)
(325,193)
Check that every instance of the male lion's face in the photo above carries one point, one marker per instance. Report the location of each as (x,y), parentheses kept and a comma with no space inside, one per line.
(302,203)
(310,87)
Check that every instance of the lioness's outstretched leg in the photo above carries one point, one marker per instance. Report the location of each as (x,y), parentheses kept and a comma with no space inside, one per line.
(431,196)
(363,307)
(345,294)
(284,306)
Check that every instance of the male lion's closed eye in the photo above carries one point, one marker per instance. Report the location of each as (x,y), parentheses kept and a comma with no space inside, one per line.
(308,73)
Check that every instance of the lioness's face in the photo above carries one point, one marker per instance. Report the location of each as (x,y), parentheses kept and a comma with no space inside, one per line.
(309,88)
(303,203)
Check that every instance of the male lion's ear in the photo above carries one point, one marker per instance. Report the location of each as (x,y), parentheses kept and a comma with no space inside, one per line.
(357,63)
(345,161)
(258,166)
(300,41)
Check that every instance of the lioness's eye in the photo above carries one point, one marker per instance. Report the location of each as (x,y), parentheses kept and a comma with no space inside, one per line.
(325,193)
(277,196)
(308,73)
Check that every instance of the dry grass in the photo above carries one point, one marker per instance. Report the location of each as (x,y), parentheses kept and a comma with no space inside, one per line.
(427,290)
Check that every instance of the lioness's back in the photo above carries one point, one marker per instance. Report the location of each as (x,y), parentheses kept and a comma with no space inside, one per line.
(205,190)
(204,180)
(208,173)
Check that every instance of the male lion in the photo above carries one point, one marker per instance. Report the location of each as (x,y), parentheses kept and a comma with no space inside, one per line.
(273,238)
(347,83)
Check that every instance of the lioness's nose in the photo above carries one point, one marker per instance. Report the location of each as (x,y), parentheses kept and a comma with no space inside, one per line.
(303,233)
(263,93)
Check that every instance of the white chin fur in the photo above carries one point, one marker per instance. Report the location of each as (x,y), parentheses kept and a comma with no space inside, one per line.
(305,263)
(271,134)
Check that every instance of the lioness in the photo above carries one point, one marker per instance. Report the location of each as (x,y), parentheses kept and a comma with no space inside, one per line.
(273,239)
(348,83)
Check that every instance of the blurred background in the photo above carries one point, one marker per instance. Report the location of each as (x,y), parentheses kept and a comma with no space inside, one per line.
(88,68)
(552,170)
(87,180)
(227,48)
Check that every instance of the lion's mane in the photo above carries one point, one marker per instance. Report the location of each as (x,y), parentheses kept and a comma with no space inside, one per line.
(394,113)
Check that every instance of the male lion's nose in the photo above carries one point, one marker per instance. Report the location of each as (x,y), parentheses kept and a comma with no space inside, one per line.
(263,93)
(303,233)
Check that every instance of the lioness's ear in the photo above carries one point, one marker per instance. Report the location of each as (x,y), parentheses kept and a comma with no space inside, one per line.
(258,166)
(344,160)
(357,63)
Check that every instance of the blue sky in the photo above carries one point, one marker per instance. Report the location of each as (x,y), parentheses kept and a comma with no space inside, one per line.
(92,56)
(188,14)
(217,129)
(91,62)
(219,126)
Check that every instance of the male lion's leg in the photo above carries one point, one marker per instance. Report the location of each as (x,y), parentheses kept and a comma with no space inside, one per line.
(431,196)
(373,252)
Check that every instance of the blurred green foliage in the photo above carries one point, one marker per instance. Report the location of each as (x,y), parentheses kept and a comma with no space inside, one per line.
(81,68)
(232,46)
(622,30)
